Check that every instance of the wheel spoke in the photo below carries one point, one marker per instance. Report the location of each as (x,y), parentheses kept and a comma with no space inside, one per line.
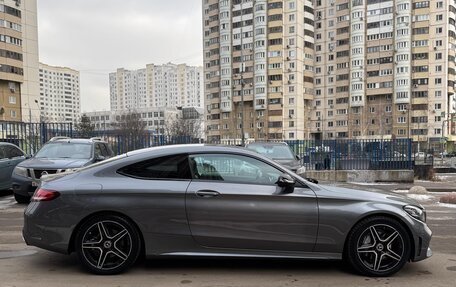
(393,255)
(366,249)
(378,261)
(102,259)
(119,235)
(102,230)
(392,237)
(91,245)
(119,254)
(374,235)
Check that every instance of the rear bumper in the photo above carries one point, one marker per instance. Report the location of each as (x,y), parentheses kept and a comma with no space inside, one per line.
(43,231)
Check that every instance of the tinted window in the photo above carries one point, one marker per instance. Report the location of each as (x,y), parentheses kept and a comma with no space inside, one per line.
(168,167)
(233,168)
(11,151)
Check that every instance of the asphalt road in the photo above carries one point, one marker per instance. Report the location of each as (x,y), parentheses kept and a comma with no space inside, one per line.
(21,265)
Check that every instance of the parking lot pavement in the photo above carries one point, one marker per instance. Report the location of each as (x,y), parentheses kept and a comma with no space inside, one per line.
(21,265)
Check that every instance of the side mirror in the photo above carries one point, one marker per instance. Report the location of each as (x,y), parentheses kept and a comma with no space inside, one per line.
(312,180)
(285,180)
(27,156)
(298,157)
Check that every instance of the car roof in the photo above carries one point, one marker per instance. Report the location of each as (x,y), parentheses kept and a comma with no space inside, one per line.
(268,143)
(70,140)
(6,143)
(191,148)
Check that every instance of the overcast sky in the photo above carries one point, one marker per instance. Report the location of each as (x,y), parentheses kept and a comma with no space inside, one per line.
(98,36)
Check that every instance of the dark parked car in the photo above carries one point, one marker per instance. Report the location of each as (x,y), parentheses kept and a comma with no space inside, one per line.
(10,156)
(60,154)
(200,200)
(279,152)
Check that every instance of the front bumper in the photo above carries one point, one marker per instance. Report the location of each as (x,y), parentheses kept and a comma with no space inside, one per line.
(23,186)
(422,240)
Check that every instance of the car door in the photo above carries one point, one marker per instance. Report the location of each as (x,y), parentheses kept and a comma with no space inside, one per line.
(233,202)
(4,167)
(11,157)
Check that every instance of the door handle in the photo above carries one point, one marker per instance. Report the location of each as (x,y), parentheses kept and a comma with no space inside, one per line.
(207,193)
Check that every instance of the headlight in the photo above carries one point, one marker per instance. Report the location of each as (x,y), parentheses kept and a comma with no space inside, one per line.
(21,171)
(301,170)
(416,212)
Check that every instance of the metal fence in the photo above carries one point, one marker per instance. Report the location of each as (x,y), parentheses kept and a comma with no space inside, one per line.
(30,137)
(340,154)
(349,154)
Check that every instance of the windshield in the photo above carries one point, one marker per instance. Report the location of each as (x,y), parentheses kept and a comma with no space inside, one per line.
(273,151)
(65,150)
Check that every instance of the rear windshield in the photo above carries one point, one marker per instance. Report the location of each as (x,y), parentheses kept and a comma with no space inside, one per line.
(273,151)
(65,150)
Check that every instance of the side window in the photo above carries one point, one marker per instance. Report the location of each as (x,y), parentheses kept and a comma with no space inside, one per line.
(233,168)
(2,153)
(11,151)
(109,150)
(104,151)
(167,167)
(98,150)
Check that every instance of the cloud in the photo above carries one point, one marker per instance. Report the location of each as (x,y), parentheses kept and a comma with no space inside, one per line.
(98,36)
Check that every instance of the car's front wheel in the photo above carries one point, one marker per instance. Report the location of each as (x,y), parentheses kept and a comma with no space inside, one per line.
(21,198)
(378,246)
(107,244)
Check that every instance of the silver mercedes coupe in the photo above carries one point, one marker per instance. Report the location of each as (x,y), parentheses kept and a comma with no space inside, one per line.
(203,200)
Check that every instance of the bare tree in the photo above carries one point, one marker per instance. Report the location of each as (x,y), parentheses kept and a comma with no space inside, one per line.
(183,130)
(131,130)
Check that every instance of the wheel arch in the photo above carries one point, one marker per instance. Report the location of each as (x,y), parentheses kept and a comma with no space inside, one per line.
(391,216)
(99,213)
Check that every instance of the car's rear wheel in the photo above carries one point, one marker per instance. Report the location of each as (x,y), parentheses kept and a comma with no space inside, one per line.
(107,244)
(21,198)
(378,246)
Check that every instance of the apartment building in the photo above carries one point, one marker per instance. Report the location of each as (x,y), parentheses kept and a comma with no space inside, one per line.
(384,69)
(167,85)
(19,84)
(155,118)
(60,99)
(328,69)
(258,61)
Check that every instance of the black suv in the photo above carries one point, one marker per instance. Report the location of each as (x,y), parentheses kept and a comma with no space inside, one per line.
(60,154)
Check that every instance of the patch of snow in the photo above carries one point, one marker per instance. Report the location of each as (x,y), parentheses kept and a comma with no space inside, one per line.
(450,205)
(421,197)
(401,190)
(371,183)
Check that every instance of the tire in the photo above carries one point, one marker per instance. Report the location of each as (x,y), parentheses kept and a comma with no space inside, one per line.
(107,244)
(21,198)
(378,247)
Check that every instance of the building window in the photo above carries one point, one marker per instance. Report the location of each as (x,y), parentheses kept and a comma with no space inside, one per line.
(12,100)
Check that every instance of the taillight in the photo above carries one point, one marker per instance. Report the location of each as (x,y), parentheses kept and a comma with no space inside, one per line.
(45,195)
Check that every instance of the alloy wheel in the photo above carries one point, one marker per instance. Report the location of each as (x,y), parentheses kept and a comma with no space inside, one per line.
(380,248)
(106,245)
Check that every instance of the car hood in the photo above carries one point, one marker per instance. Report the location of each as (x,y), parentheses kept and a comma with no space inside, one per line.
(363,195)
(51,163)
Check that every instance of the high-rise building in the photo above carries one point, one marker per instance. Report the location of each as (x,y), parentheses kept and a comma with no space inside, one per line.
(167,85)
(19,84)
(60,99)
(328,69)
(384,69)
(258,60)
